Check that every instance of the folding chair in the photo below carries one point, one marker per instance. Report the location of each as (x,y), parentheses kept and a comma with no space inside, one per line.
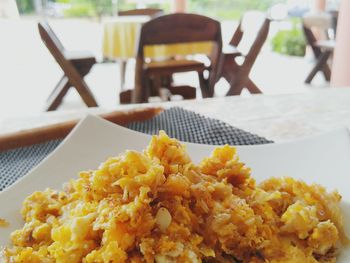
(175,29)
(75,66)
(322,49)
(237,75)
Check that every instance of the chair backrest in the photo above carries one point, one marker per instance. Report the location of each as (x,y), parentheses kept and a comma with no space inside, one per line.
(319,21)
(57,50)
(153,12)
(53,44)
(179,28)
(311,40)
(257,25)
(259,41)
(49,38)
(322,22)
(334,14)
(248,30)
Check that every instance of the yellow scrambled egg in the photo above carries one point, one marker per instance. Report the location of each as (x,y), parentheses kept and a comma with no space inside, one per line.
(158,206)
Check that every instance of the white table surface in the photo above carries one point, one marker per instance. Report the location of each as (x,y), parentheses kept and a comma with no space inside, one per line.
(276,117)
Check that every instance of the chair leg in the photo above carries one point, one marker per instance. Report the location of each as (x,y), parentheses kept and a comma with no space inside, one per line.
(227,67)
(85,93)
(234,90)
(138,94)
(237,84)
(230,72)
(147,85)
(155,85)
(311,39)
(251,86)
(167,81)
(204,85)
(56,89)
(57,94)
(320,65)
(122,69)
(326,70)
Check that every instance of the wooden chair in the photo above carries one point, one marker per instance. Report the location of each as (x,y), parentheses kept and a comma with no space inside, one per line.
(75,66)
(237,75)
(322,49)
(174,29)
(152,12)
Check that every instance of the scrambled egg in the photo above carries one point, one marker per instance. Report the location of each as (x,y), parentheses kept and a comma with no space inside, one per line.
(157,206)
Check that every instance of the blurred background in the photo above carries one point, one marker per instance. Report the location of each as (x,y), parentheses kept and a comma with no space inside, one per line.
(28,72)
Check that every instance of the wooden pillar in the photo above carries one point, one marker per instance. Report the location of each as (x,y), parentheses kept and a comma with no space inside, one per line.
(179,6)
(319,5)
(340,70)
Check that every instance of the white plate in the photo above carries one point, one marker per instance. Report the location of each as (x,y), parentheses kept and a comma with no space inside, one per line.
(324,159)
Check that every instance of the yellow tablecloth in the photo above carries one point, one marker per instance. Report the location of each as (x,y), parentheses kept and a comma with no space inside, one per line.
(120,36)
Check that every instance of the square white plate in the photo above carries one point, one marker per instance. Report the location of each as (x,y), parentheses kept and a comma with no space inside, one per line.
(323,159)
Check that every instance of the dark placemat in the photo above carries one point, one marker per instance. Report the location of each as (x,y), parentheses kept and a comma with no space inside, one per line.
(179,123)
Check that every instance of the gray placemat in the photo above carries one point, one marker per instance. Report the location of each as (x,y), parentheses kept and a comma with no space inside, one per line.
(179,123)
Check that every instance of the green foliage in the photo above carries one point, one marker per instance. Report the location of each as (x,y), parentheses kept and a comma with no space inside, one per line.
(289,42)
(228,9)
(25,6)
(88,8)
(219,9)
(80,10)
(103,7)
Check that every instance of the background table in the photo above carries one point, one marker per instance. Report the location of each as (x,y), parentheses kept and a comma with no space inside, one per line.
(120,36)
(276,117)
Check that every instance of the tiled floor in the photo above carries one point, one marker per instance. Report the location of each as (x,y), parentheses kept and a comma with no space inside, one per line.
(28,73)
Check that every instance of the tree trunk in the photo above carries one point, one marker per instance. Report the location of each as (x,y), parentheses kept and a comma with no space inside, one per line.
(340,71)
